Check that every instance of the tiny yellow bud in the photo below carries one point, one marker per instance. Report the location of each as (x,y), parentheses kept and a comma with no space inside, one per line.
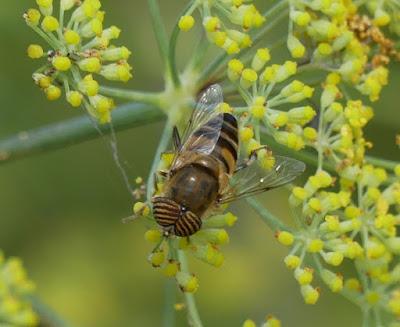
(310,294)
(61,63)
(141,209)
(171,268)
(246,133)
(91,65)
(333,78)
(249,77)
(50,24)
(157,258)
(310,134)
(315,245)
(35,51)
(296,48)
(235,68)
(303,276)
(71,37)
(292,261)
(89,86)
(153,235)
(44,3)
(187,282)
(32,17)
(211,24)
(74,98)
(333,258)
(324,49)
(52,92)
(186,23)
(285,238)
(249,323)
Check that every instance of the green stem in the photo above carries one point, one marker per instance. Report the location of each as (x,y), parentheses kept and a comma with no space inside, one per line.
(387,164)
(172,47)
(137,96)
(48,317)
(194,317)
(73,131)
(169,302)
(159,29)
(366,318)
(162,146)
(171,57)
(273,222)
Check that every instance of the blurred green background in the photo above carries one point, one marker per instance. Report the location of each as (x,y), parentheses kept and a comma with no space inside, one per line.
(61,212)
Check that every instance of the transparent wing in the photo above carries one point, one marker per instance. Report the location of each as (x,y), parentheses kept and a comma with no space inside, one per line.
(203,129)
(254,179)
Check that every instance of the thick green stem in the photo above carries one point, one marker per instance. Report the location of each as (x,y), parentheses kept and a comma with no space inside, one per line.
(136,96)
(159,29)
(273,222)
(194,317)
(169,302)
(73,131)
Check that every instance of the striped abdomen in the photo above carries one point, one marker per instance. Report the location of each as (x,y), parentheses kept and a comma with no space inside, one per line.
(223,130)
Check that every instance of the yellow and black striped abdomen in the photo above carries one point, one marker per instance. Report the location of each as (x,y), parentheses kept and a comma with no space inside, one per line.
(220,134)
(226,149)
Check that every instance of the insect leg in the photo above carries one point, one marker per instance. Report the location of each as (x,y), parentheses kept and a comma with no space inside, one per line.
(250,159)
(176,138)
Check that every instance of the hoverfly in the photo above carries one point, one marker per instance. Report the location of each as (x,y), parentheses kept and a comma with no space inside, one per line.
(205,173)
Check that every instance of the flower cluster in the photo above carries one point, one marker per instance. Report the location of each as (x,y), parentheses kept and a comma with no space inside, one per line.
(77,49)
(14,285)
(265,94)
(226,22)
(168,252)
(342,41)
(353,216)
